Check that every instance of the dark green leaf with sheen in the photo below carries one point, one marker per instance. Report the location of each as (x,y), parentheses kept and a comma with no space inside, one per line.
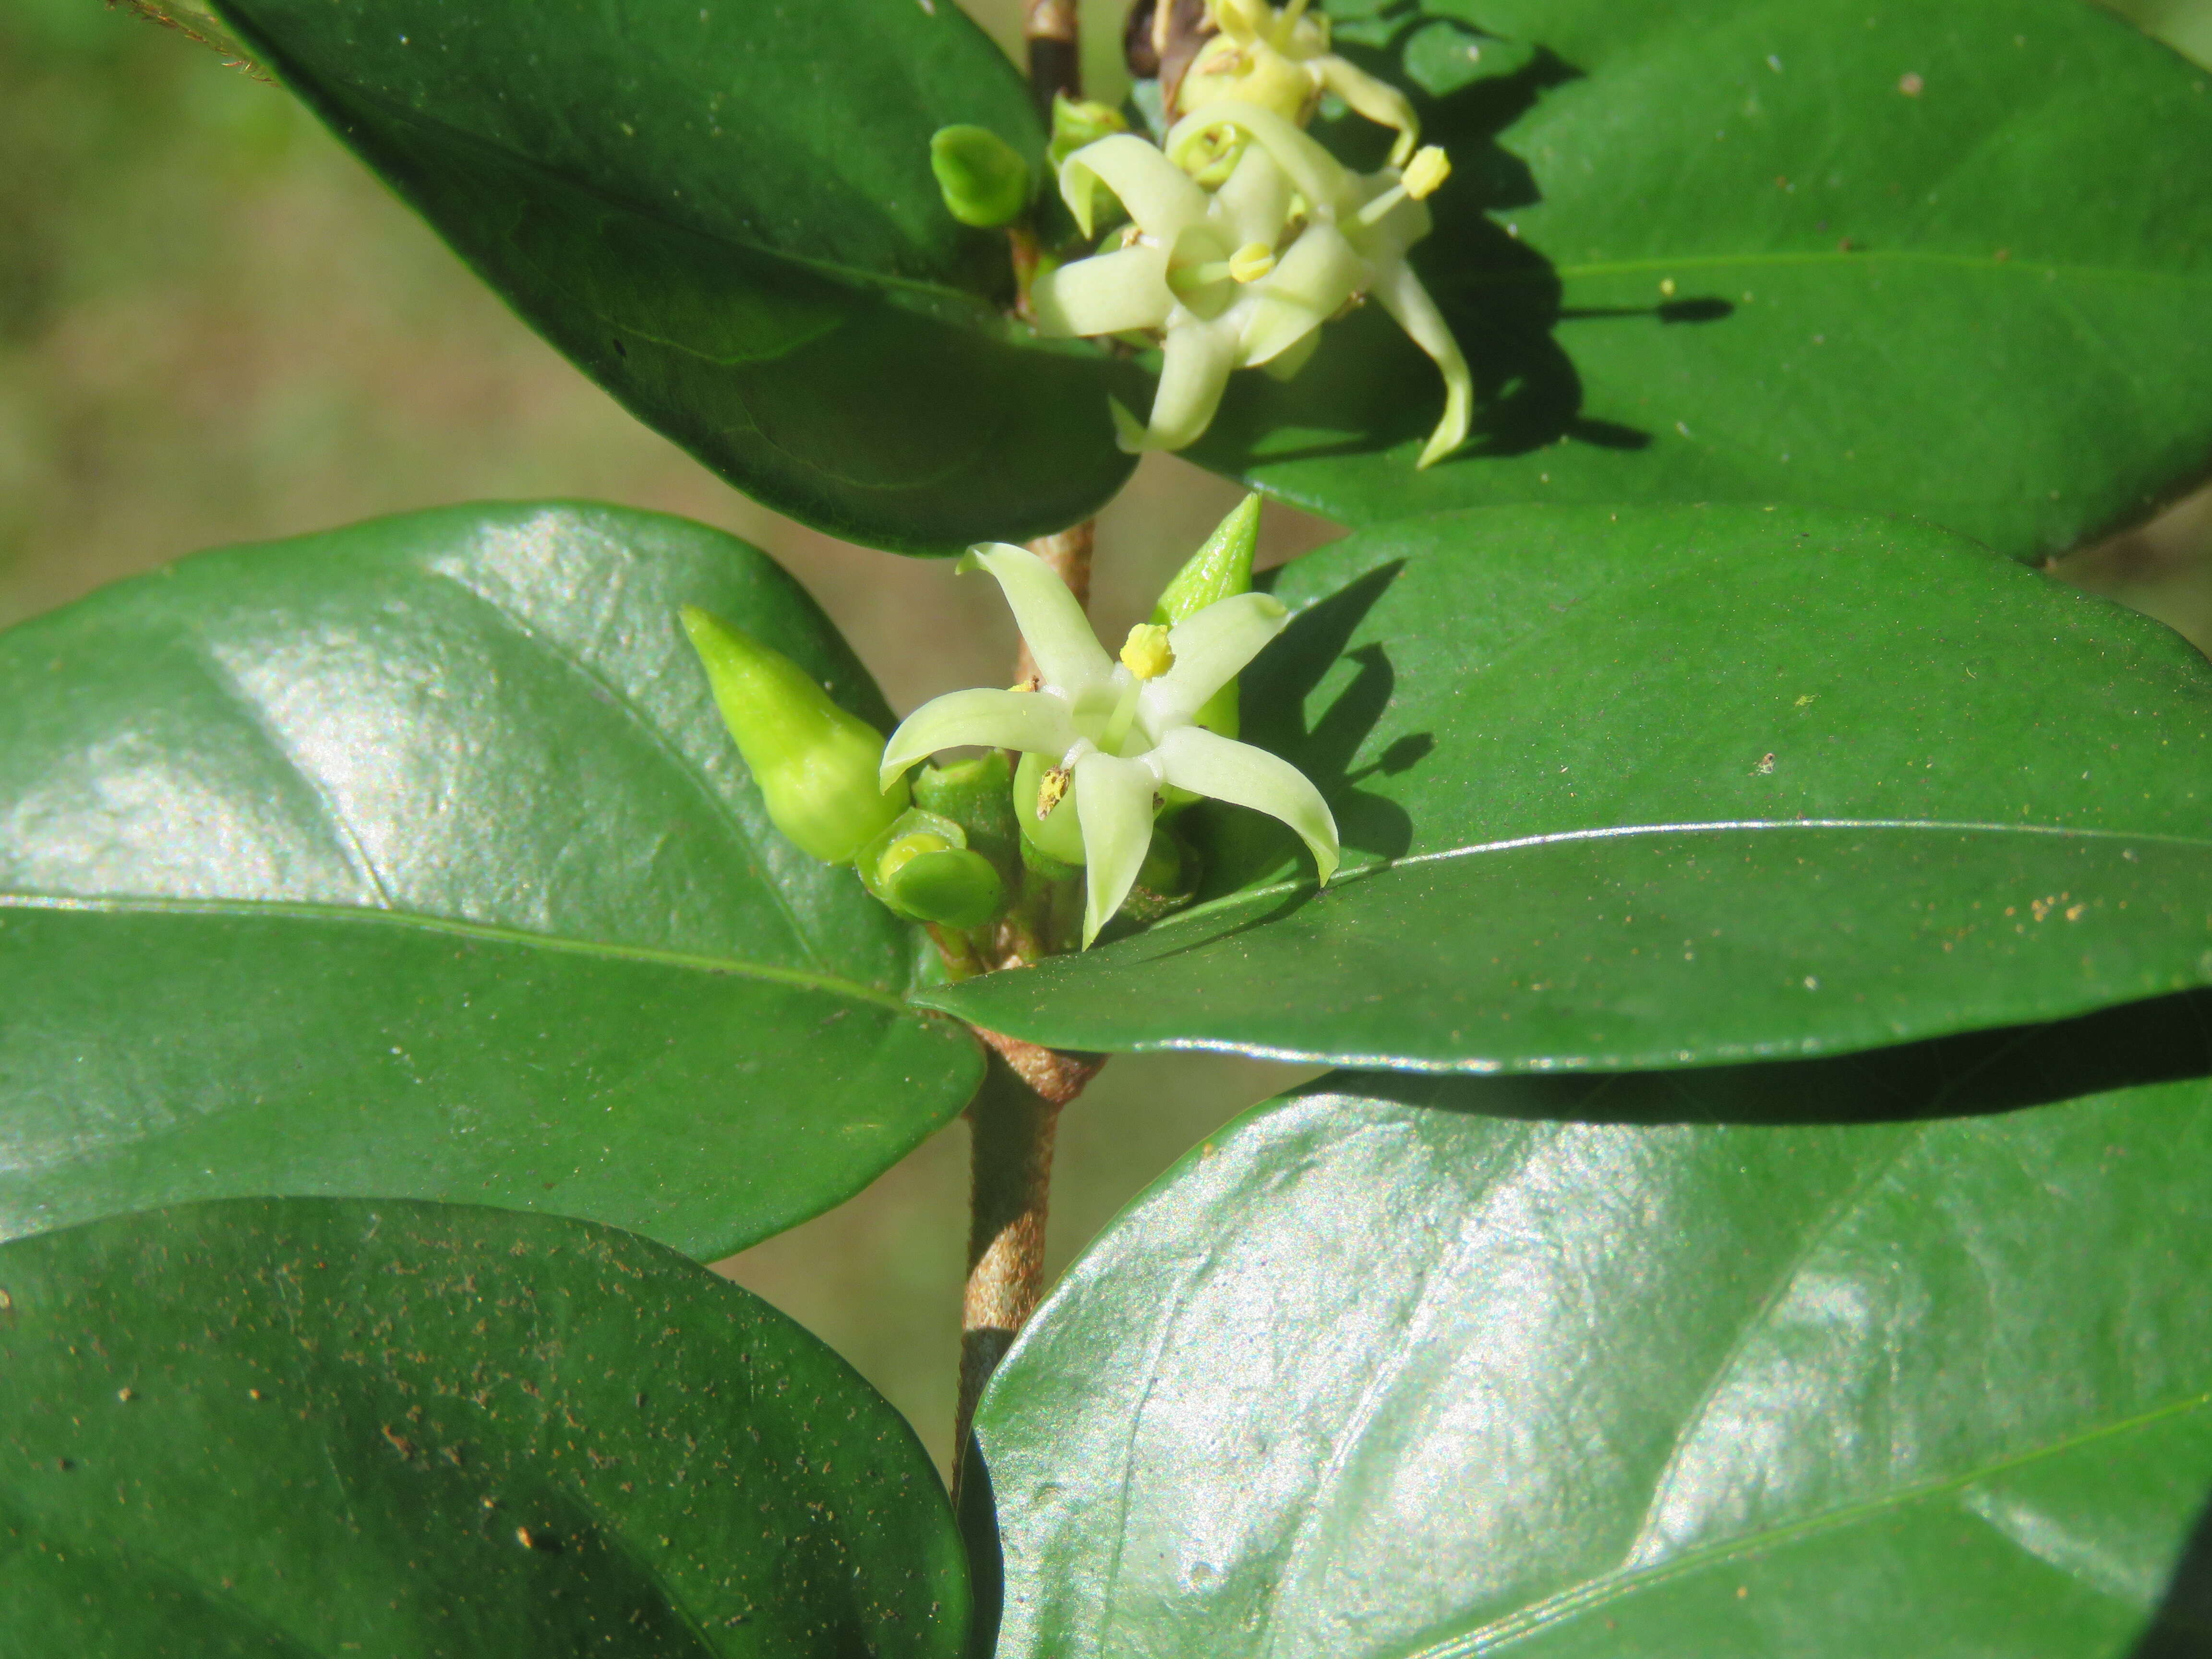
(1952,258)
(1381,1372)
(725,215)
(413,859)
(313,1427)
(1672,785)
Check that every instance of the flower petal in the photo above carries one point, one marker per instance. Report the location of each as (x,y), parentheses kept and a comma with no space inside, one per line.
(1378,101)
(1309,286)
(1158,195)
(1105,293)
(1194,758)
(1066,652)
(1407,300)
(1318,176)
(1033,720)
(1256,199)
(1113,803)
(1211,649)
(1194,374)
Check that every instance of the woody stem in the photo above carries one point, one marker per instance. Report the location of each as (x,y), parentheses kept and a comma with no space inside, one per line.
(1055,53)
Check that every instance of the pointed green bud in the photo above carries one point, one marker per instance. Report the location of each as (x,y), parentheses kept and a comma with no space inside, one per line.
(984,182)
(1076,122)
(815,763)
(1220,569)
(922,867)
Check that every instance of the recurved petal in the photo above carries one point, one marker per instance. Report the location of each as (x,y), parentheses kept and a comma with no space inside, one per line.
(1255,200)
(1307,287)
(1194,758)
(1408,302)
(1105,293)
(1066,652)
(1194,372)
(1158,195)
(1211,649)
(1378,101)
(1036,721)
(1114,805)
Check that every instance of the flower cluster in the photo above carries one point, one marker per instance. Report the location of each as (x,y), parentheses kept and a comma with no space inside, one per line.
(1242,275)
(1245,235)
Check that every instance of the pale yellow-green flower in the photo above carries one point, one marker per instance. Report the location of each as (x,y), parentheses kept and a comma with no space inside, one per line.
(1123,733)
(1244,275)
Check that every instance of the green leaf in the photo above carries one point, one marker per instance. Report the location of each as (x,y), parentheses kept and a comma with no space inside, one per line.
(413,859)
(726,216)
(1379,1372)
(1669,786)
(1715,251)
(309,1427)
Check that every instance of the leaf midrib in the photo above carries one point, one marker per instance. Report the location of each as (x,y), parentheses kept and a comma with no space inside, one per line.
(1619,832)
(485,933)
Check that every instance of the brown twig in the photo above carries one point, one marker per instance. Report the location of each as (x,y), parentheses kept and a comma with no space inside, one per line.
(1011,1123)
(1055,50)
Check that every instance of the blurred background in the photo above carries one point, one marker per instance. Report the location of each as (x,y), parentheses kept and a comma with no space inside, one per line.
(214,326)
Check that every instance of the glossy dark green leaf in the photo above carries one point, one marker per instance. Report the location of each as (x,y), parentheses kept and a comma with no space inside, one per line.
(1380,1372)
(413,859)
(315,1427)
(725,215)
(1951,258)
(1672,785)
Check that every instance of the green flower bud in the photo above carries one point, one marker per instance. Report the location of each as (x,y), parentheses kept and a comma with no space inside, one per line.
(984,182)
(815,763)
(1055,831)
(953,887)
(978,795)
(1076,122)
(1220,569)
(922,868)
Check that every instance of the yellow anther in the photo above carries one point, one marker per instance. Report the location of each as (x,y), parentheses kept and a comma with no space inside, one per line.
(1147,653)
(1050,789)
(1428,168)
(1249,264)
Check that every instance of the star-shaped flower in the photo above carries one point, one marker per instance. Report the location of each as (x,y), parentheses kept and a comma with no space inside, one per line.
(1123,733)
(1243,276)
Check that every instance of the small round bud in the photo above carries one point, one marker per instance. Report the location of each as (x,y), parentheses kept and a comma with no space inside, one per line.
(1076,122)
(923,868)
(985,183)
(814,764)
(904,850)
(951,886)
(1428,169)
(1147,653)
(1251,262)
